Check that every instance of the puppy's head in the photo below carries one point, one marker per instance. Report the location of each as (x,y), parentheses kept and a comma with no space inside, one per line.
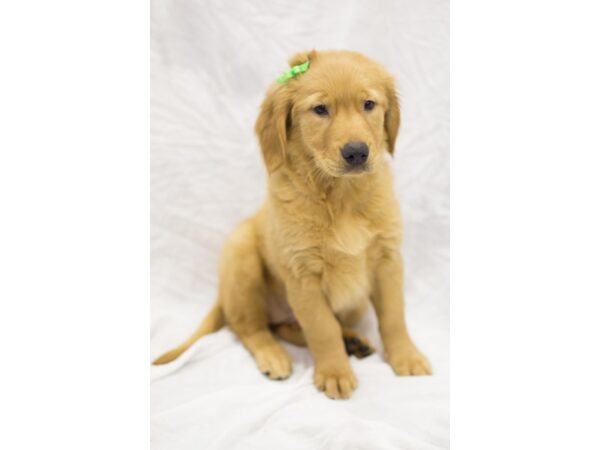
(342,114)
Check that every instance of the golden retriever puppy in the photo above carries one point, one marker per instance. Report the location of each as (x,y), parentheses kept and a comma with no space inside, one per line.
(326,241)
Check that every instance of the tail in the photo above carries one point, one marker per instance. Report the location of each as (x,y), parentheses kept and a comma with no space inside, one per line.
(214,321)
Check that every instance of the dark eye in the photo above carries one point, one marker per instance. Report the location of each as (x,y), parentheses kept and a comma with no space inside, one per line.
(369,105)
(321,110)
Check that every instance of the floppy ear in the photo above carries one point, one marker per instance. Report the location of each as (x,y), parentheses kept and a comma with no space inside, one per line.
(274,119)
(392,115)
(272,124)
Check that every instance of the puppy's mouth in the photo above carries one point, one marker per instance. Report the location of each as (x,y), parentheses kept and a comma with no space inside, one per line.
(356,169)
(342,169)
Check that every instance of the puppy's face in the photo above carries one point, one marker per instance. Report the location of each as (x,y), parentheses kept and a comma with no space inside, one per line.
(343,111)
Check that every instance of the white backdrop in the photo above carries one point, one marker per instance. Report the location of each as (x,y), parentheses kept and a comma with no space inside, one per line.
(211,64)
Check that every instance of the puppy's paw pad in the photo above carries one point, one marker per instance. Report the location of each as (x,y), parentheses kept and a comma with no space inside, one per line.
(274,362)
(358,346)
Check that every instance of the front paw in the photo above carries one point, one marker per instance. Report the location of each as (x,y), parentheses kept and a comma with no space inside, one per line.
(337,381)
(408,360)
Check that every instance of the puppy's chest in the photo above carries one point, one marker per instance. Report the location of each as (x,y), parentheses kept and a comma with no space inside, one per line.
(332,243)
(345,279)
(347,235)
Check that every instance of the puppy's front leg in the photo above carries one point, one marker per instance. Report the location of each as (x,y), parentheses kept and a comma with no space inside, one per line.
(323,335)
(388,300)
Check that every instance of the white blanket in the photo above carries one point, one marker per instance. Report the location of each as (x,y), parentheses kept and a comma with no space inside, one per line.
(211,64)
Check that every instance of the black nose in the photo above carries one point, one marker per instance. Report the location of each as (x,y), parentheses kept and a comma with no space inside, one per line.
(355,153)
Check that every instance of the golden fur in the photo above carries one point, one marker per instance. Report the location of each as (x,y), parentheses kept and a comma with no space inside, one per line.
(326,241)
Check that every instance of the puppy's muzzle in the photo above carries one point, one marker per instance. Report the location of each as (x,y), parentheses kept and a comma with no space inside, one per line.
(355,154)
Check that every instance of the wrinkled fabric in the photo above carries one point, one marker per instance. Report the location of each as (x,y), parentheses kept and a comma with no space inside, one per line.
(211,64)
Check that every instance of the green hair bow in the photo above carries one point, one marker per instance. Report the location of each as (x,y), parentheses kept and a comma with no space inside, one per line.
(291,73)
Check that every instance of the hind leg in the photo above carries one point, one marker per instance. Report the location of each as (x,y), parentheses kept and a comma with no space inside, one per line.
(242,293)
(354,343)
(290,332)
